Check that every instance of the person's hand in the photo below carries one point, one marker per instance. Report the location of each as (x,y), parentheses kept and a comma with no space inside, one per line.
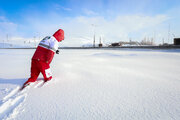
(57,51)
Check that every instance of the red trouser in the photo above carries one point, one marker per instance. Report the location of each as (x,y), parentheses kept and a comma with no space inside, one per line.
(37,67)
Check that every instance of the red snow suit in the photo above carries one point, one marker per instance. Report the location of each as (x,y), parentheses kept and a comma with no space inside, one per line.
(44,55)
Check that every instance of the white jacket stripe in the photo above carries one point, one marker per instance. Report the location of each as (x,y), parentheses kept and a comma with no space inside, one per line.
(49,43)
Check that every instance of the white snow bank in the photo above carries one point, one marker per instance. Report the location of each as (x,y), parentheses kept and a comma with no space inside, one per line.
(93,85)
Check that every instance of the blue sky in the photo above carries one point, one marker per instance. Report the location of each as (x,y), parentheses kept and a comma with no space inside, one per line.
(115,20)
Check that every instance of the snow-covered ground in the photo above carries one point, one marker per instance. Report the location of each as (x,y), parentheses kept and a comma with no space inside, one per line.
(93,85)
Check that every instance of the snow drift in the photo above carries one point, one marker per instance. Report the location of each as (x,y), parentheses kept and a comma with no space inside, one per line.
(93,85)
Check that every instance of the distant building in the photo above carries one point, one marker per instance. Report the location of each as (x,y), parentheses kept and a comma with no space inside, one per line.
(176,41)
(122,43)
(115,44)
(100,45)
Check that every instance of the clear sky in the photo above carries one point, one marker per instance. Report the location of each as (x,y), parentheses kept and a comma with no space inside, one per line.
(113,20)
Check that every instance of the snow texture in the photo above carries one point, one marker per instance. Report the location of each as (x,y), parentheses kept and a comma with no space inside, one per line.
(93,85)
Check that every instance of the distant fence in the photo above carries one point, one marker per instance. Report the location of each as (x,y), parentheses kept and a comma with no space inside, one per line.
(121,47)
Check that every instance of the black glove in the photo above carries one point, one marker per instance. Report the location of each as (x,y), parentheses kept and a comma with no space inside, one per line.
(57,51)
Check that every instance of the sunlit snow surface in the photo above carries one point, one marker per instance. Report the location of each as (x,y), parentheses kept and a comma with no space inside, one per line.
(125,84)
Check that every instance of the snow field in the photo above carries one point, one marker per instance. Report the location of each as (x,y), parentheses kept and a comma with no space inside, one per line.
(94,85)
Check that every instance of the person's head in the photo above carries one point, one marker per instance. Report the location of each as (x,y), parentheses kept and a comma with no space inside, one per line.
(59,35)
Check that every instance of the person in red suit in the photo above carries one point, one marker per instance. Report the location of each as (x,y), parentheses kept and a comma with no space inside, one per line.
(43,56)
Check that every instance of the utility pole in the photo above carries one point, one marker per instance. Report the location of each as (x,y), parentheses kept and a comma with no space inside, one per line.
(3,44)
(94,41)
(35,41)
(94,38)
(100,40)
(168,33)
(163,41)
(154,40)
(7,37)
